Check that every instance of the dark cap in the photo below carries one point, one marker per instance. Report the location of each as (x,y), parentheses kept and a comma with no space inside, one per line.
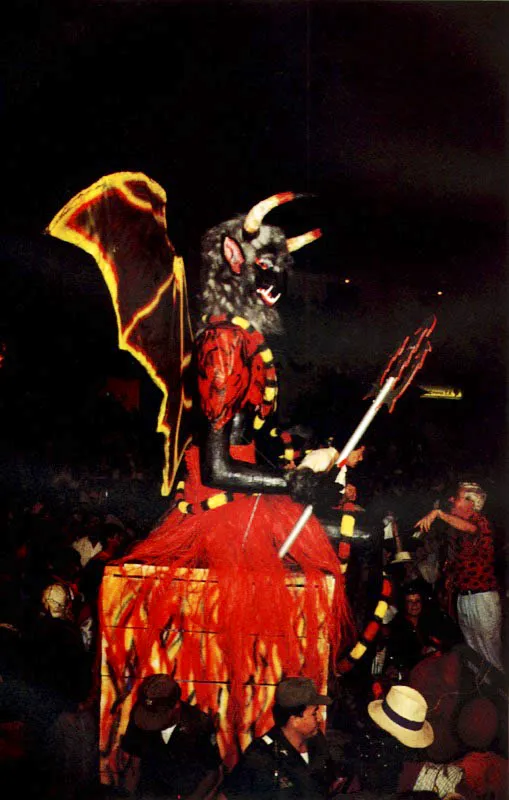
(294,692)
(157,697)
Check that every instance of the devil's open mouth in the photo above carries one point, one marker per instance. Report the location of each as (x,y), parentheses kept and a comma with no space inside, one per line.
(268,298)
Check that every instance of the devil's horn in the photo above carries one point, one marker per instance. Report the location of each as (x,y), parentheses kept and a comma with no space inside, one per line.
(254,218)
(297,242)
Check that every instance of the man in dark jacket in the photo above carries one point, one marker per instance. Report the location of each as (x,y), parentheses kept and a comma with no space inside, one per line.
(173,744)
(292,759)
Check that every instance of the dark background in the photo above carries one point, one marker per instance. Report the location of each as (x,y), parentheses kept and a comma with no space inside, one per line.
(393,114)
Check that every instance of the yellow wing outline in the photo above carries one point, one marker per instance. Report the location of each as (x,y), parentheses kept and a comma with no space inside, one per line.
(113,220)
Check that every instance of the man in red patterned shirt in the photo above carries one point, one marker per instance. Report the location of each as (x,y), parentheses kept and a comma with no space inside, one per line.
(471,566)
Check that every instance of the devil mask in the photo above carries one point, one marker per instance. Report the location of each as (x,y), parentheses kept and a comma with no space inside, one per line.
(246,264)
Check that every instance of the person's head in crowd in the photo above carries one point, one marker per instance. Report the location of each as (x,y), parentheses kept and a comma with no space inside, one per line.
(296,709)
(416,585)
(402,570)
(412,603)
(356,456)
(93,524)
(93,495)
(73,527)
(398,732)
(112,537)
(469,499)
(477,723)
(157,704)
(65,563)
(57,602)
(402,714)
(413,595)
(439,479)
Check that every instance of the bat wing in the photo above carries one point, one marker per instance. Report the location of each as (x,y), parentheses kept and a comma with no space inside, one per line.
(120,220)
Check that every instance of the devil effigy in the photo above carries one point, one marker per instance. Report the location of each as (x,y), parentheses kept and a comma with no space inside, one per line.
(207,597)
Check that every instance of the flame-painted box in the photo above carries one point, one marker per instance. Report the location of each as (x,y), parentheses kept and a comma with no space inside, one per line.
(190,646)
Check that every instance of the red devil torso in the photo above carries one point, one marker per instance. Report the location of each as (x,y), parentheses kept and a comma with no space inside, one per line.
(235,371)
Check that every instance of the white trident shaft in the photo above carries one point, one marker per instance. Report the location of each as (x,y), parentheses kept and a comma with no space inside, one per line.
(347,449)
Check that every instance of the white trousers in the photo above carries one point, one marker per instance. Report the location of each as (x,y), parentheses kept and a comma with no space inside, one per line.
(480,620)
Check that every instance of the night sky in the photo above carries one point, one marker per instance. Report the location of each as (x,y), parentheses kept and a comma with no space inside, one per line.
(392,114)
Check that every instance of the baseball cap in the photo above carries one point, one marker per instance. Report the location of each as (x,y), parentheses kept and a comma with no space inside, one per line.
(293,692)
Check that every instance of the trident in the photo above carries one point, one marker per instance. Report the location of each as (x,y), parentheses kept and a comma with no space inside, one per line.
(394,380)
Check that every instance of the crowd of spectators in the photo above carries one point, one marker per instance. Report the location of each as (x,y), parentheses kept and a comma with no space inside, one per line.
(60,528)
(67,508)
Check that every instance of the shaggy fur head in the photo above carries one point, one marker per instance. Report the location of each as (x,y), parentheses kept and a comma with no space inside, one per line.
(243,275)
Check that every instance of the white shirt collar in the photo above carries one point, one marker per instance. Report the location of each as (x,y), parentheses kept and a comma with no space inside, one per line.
(167,732)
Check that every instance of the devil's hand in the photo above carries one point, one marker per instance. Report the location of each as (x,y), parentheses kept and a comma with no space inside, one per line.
(315,488)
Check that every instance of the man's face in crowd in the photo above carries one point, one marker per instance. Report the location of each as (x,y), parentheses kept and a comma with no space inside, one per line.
(461,506)
(413,605)
(308,725)
(174,715)
(355,457)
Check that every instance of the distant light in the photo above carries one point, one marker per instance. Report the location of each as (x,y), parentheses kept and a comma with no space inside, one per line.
(347,280)
(441,393)
(439,293)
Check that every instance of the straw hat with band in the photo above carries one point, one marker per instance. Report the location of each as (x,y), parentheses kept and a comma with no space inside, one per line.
(403,714)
